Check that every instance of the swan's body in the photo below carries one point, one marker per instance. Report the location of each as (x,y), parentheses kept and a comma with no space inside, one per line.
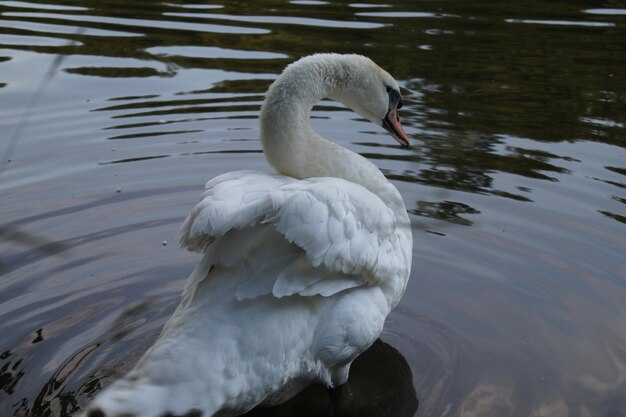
(299,270)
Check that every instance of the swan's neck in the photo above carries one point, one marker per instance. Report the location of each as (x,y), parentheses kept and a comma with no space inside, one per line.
(293,148)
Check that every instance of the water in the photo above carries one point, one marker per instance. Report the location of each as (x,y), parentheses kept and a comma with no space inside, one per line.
(114,115)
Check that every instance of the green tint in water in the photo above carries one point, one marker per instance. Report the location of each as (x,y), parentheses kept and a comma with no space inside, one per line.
(515,183)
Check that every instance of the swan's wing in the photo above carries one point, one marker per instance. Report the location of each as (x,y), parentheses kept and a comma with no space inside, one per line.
(307,237)
(231,201)
(342,226)
(282,269)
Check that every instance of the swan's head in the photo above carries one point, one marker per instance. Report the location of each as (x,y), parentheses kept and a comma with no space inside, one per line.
(370,91)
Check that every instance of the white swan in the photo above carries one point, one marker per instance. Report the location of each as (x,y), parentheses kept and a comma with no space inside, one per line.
(299,270)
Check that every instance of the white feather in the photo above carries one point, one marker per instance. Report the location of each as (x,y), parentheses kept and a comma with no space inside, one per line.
(298,271)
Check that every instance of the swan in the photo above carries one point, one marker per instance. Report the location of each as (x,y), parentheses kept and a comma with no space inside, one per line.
(299,269)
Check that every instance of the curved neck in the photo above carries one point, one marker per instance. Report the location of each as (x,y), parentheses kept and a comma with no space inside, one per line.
(286,133)
(293,148)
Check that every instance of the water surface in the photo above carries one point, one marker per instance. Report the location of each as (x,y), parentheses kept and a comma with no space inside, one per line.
(114,115)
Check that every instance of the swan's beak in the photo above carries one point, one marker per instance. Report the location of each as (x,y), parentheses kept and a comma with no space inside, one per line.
(391,122)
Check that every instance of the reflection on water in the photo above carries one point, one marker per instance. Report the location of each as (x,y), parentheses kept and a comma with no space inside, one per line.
(39,243)
(380,385)
(515,184)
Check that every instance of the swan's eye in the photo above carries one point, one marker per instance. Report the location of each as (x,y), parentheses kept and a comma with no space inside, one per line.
(388,89)
(394,98)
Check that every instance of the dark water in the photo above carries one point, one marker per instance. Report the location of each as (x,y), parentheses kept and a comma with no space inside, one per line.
(114,114)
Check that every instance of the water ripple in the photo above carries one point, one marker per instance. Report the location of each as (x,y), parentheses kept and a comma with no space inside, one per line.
(139,23)
(561,22)
(609,12)
(15,40)
(65,29)
(41,6)
(285,20)
(401,14)
(212,52)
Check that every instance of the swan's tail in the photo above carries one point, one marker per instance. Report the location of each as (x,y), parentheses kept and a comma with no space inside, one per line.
(128,398)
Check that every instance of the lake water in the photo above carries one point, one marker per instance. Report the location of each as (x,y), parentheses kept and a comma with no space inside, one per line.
(114,114)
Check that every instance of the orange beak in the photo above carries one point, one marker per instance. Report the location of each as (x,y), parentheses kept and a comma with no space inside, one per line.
(391,122)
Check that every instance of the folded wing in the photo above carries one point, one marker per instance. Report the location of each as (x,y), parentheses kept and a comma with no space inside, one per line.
(317,236)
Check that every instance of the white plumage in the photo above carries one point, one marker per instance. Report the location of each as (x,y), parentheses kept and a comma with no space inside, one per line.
(299,271)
